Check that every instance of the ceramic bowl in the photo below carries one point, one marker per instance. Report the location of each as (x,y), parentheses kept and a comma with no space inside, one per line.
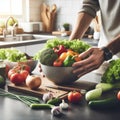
(59,75)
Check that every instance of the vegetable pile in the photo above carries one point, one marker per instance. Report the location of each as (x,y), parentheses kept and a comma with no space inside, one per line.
(110,83)
(12,55)
(112,74)
(61,52)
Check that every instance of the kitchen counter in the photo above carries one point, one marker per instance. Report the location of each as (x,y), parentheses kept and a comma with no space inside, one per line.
(6,44)
(15,110)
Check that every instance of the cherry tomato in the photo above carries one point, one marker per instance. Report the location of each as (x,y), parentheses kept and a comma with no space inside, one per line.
(74,96)
(118,95)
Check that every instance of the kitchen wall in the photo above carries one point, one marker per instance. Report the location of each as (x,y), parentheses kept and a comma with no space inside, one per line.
(66,10)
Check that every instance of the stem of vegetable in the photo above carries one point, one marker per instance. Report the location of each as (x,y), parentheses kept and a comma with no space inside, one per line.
(28,100)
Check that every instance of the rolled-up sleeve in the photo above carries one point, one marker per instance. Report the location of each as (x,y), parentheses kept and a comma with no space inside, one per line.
(90,7)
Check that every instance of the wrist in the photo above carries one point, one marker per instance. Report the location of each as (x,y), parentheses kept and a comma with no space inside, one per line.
(107,53)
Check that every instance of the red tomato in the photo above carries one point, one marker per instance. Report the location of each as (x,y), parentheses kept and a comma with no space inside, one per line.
(10,72)
(74,96)
(7,69)
(118,95)
(17,78)
(22,67)
(26,67)
(58,63)
(24,73)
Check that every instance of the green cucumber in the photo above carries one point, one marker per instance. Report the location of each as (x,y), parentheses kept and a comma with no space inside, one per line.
(41,106)
(54,101)
(93,94)
(111,102)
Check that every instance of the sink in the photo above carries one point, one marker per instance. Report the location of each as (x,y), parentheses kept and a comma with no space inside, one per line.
(24,37)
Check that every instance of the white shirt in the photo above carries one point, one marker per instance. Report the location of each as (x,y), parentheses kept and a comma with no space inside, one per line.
(110,18)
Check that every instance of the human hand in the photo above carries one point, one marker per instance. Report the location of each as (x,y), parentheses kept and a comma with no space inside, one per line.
(91,60)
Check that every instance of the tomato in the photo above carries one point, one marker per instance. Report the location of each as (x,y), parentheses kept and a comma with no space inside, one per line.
(118,95)
(74,96)
(7,68)
(24,73)
(17,78)
(22,67)
(26,67)
(10,72)
(58,63)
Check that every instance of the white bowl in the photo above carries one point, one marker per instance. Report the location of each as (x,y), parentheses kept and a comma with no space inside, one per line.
(59,75)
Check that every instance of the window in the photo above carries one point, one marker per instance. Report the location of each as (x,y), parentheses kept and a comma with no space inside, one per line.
(12,8)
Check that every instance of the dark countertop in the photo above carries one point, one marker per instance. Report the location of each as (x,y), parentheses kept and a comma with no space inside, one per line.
(15,110)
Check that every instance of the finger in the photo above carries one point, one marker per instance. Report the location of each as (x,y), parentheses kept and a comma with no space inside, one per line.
(84,62)
(84,71)
(86,53)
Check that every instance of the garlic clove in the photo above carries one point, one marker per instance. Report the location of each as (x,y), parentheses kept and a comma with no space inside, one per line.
(56,111)
(64,105)
(47,96)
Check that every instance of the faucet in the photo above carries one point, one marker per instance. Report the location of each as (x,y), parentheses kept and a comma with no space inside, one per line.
(5,31)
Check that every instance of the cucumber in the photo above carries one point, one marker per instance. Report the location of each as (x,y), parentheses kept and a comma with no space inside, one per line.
(105,86)
(111,102)
(54,101)
(93,94)
(41,106)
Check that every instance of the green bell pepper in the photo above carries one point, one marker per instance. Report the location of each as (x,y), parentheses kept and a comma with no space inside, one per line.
(68,61)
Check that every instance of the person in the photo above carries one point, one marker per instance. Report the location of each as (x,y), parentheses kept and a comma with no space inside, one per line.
(109,43)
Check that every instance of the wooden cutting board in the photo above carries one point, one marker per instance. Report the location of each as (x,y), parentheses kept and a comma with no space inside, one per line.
(44,88)
(40,91)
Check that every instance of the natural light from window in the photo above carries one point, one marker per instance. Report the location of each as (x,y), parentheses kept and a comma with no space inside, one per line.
(11,7)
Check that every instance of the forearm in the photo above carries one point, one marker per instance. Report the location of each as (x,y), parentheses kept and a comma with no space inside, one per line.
(114,45)
(82,24)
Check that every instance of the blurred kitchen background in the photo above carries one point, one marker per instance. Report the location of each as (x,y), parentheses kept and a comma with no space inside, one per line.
(29,14)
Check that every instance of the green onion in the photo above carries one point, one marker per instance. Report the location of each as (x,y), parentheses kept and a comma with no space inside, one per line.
(28,100)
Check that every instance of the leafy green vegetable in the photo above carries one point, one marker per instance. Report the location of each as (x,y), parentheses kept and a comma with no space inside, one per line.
(76,45)
(112,74)
(48,56)
(12,54)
